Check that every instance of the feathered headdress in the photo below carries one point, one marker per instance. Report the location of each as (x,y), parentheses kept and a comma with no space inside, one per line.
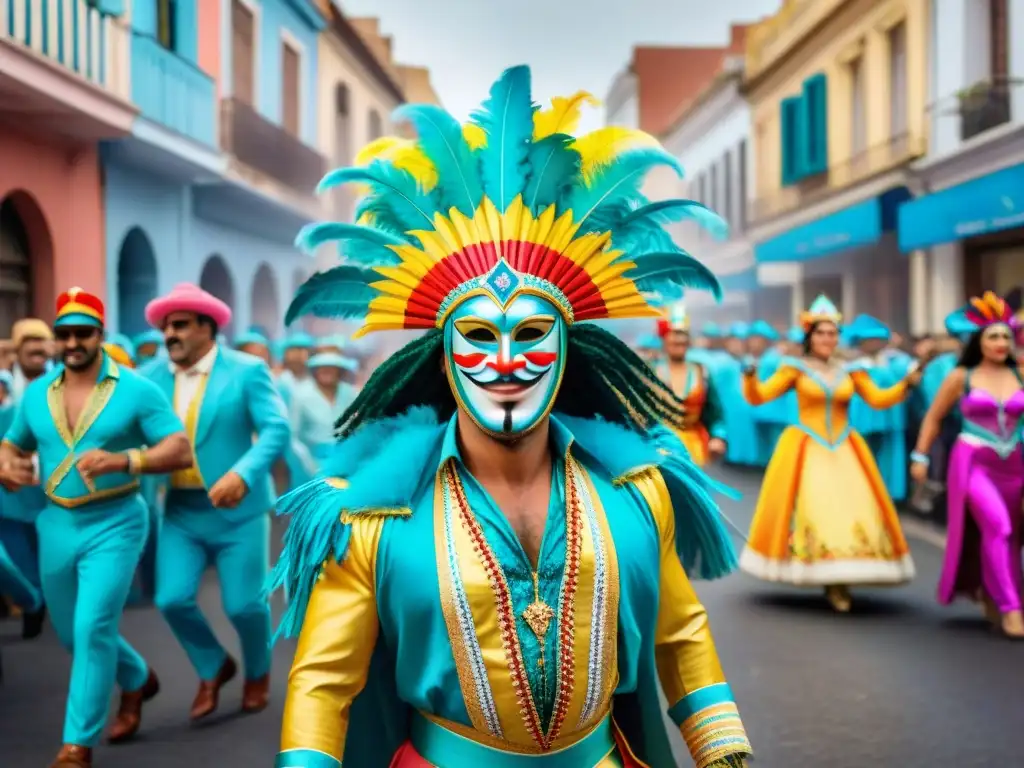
(509,202)
(821,309)
(675,318)
(989,310)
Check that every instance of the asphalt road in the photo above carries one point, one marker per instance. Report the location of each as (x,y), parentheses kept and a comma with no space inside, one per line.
(898,683)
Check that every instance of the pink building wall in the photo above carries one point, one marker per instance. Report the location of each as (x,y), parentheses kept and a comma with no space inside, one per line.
(58,194)
(209,26)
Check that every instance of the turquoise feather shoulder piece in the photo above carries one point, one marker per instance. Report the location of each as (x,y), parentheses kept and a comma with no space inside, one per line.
(359,478)
(702,537)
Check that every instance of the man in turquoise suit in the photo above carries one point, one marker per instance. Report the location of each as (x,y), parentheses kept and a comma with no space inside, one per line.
(88,419)
(148,344)
(489,572)
(216,512)
(317,403)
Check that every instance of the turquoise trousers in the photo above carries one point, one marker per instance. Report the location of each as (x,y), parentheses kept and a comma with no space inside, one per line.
(87,559)
(193,536)
(16,585)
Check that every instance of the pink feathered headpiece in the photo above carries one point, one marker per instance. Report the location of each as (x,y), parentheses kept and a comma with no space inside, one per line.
(187,297)
(990,310)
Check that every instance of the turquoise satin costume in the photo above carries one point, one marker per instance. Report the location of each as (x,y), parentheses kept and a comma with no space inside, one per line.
(884,430)
(91,535)
(739,414)
(769,418)
(313,419)
(19,559)
(399,569)
(239,401)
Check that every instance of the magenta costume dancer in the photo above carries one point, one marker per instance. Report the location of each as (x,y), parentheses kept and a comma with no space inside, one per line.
(986,469)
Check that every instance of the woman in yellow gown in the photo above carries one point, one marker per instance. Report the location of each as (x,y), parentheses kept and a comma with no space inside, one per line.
(824,517)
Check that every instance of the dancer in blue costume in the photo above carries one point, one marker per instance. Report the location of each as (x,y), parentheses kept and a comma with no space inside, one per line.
(88,419)
(649,347)
(335,343)
(726,368)
(884,430)
(505,586)
(763,356)
(254,343)
(216,511)
(317,404)
(148,344)
(295,350)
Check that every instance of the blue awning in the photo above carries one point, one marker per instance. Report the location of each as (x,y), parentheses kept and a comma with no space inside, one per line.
(746,280)
(987,204)
(858,225)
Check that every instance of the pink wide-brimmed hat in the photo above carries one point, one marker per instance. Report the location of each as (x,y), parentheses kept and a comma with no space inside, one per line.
(187,297)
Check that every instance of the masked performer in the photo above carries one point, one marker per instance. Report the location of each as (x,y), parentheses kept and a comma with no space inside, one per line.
(824,517)
(986,468)
(703,429)
(507,574)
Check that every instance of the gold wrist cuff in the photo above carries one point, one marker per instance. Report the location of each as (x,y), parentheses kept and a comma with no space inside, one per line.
(136,463)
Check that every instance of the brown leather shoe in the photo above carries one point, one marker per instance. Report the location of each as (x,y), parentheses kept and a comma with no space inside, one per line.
(73,756)
(256,694)
(129,714)
(208,695)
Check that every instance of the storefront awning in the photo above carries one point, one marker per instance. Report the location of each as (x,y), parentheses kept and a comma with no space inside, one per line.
(987,204)
(744,280)
(853,227)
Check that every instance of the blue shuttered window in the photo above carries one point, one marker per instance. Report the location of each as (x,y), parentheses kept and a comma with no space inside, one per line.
(815,103)
(805,131)
(791,119)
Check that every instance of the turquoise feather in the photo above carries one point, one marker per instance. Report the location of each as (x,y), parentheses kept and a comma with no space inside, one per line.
(554,167)
(440,139)
(390,187)
(507,119)
(663,212)
(364,240)
(618,181)
(659,272)
(341,292)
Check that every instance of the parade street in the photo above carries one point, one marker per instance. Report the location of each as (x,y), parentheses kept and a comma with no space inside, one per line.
(899,683)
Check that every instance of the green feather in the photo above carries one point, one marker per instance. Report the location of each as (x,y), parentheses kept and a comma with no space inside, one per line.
(663,272)
(507,119)
(341,292)
(554,166)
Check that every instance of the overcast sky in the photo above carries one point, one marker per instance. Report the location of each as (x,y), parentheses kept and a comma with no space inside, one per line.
(570,44)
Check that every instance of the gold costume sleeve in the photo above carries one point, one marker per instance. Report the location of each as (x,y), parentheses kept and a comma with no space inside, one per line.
(876,396)
(700,701)
(338,636)
(779,383)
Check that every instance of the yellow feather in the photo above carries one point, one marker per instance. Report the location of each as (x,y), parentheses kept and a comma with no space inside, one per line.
(599,148)
(411,159)
(564,115)
(474,135)
(375,149)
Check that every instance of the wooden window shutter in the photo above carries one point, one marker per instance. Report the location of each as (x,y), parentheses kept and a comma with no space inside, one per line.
(790,149)
(815,116)
(291,81)
(243,34)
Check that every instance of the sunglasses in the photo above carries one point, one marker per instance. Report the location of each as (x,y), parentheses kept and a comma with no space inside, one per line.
(81,334)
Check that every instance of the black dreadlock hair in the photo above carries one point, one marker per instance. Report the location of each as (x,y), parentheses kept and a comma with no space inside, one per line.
(603,378)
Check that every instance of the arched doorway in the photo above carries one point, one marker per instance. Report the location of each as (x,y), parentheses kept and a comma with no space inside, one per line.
(26,271)
(216,279)
(136,281)
(300,276)
(375,126)
(266,309)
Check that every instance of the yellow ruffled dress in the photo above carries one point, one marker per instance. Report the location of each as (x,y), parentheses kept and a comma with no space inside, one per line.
(824,516)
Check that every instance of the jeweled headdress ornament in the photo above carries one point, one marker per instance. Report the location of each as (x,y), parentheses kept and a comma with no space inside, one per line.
(510,203)
(821,310)
(989,309)
(675,318)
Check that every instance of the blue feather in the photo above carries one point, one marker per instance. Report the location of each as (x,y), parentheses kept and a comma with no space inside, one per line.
(341,292)
(362,245)
(619,180)
(390,187)
(554,167)
(666,212)
(658,272)
(507,119)
(440,138)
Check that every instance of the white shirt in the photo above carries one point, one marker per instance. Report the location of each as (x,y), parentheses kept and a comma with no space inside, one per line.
(188,380)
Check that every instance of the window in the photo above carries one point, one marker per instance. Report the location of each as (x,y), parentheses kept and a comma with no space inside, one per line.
(728,189)
(15,268)
(791,118)
(291,83)
(741,184)
(814,128)
(858,112)
(898,80)
(375,129)
(166,21)
(243,51)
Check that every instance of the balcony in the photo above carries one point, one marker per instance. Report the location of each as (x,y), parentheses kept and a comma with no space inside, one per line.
(874,161)
(984,106)
(268,148)
(172,92)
